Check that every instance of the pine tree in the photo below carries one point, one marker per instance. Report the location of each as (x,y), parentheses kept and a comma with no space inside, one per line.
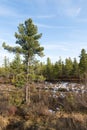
(27,39)
(17,71)
(68,67)
(75,70)
(83,61)
(49,69)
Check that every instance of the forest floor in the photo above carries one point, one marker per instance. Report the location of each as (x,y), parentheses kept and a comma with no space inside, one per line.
(48,110)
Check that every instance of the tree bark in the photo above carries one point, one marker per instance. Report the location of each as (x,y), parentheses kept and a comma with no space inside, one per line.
(27,91)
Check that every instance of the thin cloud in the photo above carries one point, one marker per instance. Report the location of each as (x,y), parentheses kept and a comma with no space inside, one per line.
(53,27)
(73,11)
(68,7)
(55,46)
(64,49)
(65,46)
(44,16)
(6,11)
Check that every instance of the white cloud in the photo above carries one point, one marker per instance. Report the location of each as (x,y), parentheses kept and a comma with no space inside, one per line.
(68,8)
(45,16)
(72,11)
(53,27)
(1,40)
(54,50)
(55,46)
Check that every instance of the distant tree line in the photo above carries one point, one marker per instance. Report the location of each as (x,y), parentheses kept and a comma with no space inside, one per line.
(68,69)
(15,71)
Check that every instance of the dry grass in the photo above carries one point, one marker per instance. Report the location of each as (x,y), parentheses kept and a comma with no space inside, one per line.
(77,116)
(3,122)
(74,120)
(60,120)
(72,114)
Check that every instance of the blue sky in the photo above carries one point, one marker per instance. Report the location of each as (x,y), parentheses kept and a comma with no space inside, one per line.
(63,24)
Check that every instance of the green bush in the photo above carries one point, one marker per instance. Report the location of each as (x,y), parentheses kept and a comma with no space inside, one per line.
(19,80)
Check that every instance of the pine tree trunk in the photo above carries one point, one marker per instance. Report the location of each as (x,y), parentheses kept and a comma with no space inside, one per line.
(27,91)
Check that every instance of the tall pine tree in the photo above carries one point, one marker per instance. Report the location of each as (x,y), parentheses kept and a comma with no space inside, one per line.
(27,39)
